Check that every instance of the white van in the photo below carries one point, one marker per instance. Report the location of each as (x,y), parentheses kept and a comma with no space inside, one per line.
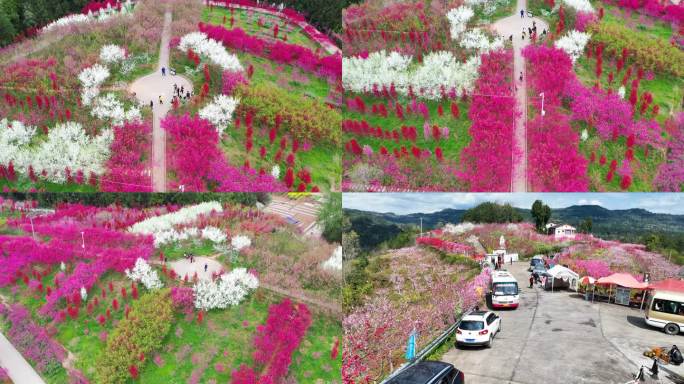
(665,310)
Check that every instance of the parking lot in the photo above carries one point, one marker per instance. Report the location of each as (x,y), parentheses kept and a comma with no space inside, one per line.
(557,337)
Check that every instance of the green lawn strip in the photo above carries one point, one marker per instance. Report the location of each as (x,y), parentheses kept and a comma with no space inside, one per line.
(644,169)
(655,27)
(250,25)
(459,137)
(175,251)
(313,360)
(503,8)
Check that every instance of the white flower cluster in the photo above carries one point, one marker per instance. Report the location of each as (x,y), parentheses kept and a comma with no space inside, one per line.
(213,234)
(91,79)
(67,146)
(143,273)
(112,54)
(476,39)
(458,18)
(100,16)
(438,69)
(275,171)
(573,43)
(109,107)
(230,290)
(241,241)
(159,225)
(580,5)
(335,261)
(15,139)
(84,294)
(621,91)
(201,44)
(219,112)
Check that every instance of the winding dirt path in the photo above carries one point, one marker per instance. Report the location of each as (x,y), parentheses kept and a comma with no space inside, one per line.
(149,88)
(513,25)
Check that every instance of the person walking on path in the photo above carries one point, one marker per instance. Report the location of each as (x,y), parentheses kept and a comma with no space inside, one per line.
(205,267)
(531,281)
(163,71)
(151,104)
(161,100)
(521,76)
(522,13)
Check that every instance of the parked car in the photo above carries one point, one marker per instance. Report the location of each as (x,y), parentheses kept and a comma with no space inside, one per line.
(429,372)
(538,259)
(478,328)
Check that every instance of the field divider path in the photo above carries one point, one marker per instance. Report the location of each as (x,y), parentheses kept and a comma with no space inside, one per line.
(513,26)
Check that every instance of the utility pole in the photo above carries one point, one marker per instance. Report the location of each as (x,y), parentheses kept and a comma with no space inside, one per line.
(421,227)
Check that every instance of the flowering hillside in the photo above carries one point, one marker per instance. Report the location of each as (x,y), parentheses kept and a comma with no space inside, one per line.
(378,323)
(90,280)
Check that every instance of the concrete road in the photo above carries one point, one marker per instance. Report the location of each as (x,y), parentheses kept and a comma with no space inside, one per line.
(553,337)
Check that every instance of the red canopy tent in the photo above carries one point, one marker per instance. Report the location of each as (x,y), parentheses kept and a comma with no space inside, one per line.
(671,285)
(623,280)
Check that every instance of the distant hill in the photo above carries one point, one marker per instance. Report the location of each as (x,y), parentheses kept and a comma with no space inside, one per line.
(623,224)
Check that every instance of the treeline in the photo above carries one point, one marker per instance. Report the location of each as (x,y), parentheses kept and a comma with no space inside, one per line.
(324,15)
(137,200)
(492,213)
(19,18)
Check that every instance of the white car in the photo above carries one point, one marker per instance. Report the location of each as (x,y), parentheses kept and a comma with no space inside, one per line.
(478,328)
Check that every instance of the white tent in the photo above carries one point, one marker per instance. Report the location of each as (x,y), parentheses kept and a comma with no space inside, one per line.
(566,274)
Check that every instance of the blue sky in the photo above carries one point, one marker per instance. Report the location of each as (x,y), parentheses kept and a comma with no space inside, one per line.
(404,203)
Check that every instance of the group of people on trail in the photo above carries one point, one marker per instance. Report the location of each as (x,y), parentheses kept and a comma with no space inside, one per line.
(179,93)
(529,31)
(191,257)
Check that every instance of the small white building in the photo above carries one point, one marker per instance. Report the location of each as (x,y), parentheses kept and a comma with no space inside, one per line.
(502,256)
(565,232)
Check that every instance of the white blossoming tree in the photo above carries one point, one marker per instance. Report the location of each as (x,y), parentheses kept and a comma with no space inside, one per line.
(213,234)
(573,44)
(91,79)
(84,294)
(458,19)
(112,54)
(143,273)
(219,112)
(109,107)
(201,44)
(240,242)
(229,290)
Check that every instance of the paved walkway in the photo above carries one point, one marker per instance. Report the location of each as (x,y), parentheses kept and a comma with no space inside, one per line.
(183,267)
(513,25)
(149,88)
(18,369)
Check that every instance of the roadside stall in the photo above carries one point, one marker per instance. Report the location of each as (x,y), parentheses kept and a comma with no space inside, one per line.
(623,289)
(587,287)
(560,277)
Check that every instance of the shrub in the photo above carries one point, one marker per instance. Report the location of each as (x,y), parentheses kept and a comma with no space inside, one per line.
(142,332)
(649,53)
(304,118)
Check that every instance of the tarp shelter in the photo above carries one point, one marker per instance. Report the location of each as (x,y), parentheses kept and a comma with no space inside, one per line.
(587,280)
(670,285)
(564,274)
(624,280)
